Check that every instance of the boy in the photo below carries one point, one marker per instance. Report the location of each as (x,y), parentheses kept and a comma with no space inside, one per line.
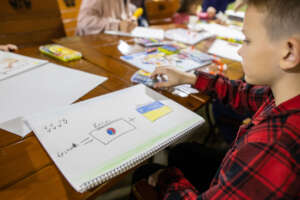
(263,162)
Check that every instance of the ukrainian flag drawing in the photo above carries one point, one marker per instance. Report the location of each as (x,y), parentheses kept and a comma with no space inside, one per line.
(154,111)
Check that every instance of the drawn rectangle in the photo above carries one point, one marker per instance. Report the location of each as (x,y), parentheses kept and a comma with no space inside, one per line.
(112,130)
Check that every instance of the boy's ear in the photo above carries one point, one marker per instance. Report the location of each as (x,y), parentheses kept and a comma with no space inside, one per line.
(291,54)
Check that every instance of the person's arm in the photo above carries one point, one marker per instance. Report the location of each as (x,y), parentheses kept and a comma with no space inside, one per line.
(255,171)
(91,19)
(240,96)
(8,47)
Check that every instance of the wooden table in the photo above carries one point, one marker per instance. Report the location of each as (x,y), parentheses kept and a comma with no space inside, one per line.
(26,171)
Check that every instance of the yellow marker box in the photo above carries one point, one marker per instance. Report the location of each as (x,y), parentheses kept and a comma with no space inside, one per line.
(60,52)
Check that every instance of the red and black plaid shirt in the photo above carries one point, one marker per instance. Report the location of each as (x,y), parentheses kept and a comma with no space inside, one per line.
(263,162)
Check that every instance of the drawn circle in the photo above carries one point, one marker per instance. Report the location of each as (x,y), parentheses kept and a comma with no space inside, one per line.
(111,131)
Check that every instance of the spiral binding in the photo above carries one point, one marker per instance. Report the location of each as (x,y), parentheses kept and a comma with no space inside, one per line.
(132,163)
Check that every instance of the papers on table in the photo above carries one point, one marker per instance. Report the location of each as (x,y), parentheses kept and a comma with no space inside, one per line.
(226,49)
(183,59)
(42,88)
(141,32)
(186,36)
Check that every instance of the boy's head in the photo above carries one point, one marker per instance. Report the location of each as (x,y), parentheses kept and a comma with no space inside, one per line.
(272,46)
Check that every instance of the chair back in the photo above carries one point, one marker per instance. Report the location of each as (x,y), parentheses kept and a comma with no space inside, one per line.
(161,11)
(29,22)
(69,10)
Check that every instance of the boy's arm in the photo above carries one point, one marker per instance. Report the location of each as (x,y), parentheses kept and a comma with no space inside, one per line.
(241,96)
(256,171)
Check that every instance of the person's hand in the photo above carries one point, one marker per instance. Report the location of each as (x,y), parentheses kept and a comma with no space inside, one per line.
(153,178)
(238,5)
(112,25)
(8,47)
(127,25)
(211,12)
(174,77)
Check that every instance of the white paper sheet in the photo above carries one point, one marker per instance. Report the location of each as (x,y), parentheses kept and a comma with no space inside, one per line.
(148,33)
(39,90)
(187,36)
(12,64)
(222,31)
(226,50)
(140,32)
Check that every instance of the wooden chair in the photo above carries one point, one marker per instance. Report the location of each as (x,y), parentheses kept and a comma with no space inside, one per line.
(161,11)
(29,22)
(69,10)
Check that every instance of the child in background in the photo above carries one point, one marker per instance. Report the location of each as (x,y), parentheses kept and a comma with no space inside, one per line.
(8,47)
(263,161)
(96,16)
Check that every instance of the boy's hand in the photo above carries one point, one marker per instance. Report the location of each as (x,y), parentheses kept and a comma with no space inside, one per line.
(174,77)
(8,47)
(153,178)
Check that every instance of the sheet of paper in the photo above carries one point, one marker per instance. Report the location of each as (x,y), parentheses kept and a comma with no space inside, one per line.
(187,36)
(222,31)
(226,50)
(148,33)
(41,89)
(140,32)
(76,136)
(240,15)
(12,64)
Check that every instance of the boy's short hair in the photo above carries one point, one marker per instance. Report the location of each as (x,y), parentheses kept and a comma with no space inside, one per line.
(282,16)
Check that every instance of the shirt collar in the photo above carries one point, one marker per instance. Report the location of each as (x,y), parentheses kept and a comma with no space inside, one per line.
(270,110)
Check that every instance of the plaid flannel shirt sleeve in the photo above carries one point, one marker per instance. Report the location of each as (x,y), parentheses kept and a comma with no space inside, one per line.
(256,171)
(242,97)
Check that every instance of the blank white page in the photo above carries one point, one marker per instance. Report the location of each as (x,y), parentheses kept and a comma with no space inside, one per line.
(43,88)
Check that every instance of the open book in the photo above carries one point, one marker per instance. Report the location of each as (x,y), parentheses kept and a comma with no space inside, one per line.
(95,140)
